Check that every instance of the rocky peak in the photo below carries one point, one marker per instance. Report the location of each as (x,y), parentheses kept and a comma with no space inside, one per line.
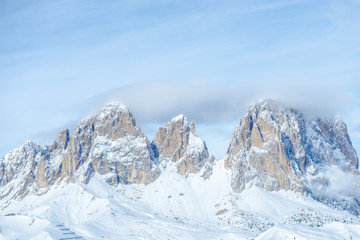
(108,143)
(62,140)
(178,142)
(181,118)
(111,144)
(330,144)
(16,159)
(274,147)
(115,121)
(261,151)
(108,123)
(18,169)
(171,138)
(113,108)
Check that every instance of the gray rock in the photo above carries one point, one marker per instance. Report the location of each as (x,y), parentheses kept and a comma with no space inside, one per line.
(177,142)
(110,144)
(275,148)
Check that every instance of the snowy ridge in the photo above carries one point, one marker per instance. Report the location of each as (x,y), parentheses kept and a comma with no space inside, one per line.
(177,143)
(195,209)
(28,169)
(275,147)
(181,118)
(111,108)
(196,145)
(106,180)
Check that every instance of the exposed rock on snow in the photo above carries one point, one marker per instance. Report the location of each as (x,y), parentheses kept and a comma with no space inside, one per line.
(85,180)
(178,142)
(31,167)
(110,144)
(267,148)
(274,147)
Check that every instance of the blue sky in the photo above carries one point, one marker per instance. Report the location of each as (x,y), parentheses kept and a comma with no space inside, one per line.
(59,60)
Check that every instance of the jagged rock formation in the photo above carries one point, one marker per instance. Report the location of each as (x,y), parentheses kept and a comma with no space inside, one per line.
(329,144)
(110,144)
(177,142)
(31,167)
(274,147)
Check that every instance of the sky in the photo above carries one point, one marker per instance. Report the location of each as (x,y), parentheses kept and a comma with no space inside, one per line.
(61,60)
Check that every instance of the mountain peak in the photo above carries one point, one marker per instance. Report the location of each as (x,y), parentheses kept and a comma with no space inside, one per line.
(276,147)
(273,147)
(180,118)
(113,120)
(114,107)
(178,143)
(110,144)
(29,143)
(267,105)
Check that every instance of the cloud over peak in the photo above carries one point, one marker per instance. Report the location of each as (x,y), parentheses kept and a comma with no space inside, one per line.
(208,102)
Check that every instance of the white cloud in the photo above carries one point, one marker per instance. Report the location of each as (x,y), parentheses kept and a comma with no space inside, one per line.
(339,183)
(207,102)
(216,108)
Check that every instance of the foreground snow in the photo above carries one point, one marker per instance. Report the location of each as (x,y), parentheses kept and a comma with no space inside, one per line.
(172,207)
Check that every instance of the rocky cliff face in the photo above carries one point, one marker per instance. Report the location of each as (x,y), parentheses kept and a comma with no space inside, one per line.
(329,144)
(274,147)
(110,144)
(177,142)
(31,167)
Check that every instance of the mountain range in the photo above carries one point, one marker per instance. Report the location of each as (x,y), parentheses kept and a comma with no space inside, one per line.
(284,175)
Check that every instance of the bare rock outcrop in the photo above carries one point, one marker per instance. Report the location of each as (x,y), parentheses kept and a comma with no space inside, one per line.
(31,167)
(274,147)
(110,144)
(177,142)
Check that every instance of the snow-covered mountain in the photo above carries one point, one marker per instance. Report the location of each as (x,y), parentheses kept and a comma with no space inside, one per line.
(178,142)
(283,177)
(274,147)
(109,143)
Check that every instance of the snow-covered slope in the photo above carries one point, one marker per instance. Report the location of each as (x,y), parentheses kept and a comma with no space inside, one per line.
(173,207)
(283,178)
